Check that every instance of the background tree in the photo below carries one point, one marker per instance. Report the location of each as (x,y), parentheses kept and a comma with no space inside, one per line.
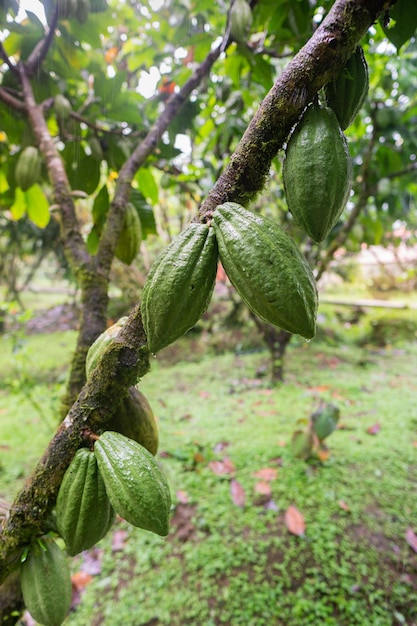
(106,145)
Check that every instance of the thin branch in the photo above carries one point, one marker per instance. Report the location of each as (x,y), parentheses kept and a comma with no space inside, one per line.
(6,59)
(38,54)
(141,153)
(11,101)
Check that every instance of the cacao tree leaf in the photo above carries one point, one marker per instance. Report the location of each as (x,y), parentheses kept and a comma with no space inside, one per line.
(294,521)
(145,212)
(238,493)
(37,206)
(18,208)
(147,184)
(403,23)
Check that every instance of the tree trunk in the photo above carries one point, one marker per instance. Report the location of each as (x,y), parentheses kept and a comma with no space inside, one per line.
(277,341)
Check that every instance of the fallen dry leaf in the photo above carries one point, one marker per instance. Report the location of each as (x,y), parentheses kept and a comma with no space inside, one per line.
(237,493)
(294,521)
(182,497)
(80,580)
(263,488)
(119,540)
(374,429)
(343,505)
(266,473)
(411,538)
(226,466)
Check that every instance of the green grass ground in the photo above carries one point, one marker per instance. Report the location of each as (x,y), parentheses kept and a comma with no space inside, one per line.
(239,565)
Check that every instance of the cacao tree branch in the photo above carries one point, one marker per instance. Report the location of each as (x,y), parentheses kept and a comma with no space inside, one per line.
(122,364)
(11,101)
(38,54)
(315,65)
(92,280)
(4,56)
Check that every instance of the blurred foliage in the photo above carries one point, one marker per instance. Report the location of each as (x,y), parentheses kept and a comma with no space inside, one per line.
(118,67)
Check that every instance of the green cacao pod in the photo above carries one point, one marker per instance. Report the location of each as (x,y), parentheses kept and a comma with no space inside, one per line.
(135,484)
(135,420)
(28,168)
(97,349)
(82,10)
(84,514)
(266,268)
(130,237)
(317,172)
(179,286)
(347,93)
(46,582)
(62,107)
(240,20)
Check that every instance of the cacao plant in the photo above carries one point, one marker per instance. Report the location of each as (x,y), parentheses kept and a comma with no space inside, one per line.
(179,286)
(266,268)
(317,172)
(130,238)
(84,514)
(46,582)
(135,484)
(135,420)
(28,168)
(347,93)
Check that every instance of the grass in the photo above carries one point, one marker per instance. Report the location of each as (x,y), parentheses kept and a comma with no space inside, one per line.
(239,565)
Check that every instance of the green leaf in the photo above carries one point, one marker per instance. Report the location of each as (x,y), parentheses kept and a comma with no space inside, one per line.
(100,208)
(404,15)
(145,212)
(147,184)
(37,206)
(18,208)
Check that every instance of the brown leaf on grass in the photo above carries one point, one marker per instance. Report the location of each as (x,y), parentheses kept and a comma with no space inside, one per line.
(411,538)
(266,473)
(294,521)
(374,429)
(182,496)
(323,452)
(80,580)
(263,488)
(238,493)
(226,466)
(343,505)
(119,540)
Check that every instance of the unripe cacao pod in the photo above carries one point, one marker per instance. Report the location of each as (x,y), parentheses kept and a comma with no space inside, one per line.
(84,514)
(82,10)
(62,107)
(240,20)
(95,147)
(97,349)
(347,93)
(130,238)
(28,168)
(135,419)
(135,484)
(179,286)
(46,582)
(266,268)
(317,172)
